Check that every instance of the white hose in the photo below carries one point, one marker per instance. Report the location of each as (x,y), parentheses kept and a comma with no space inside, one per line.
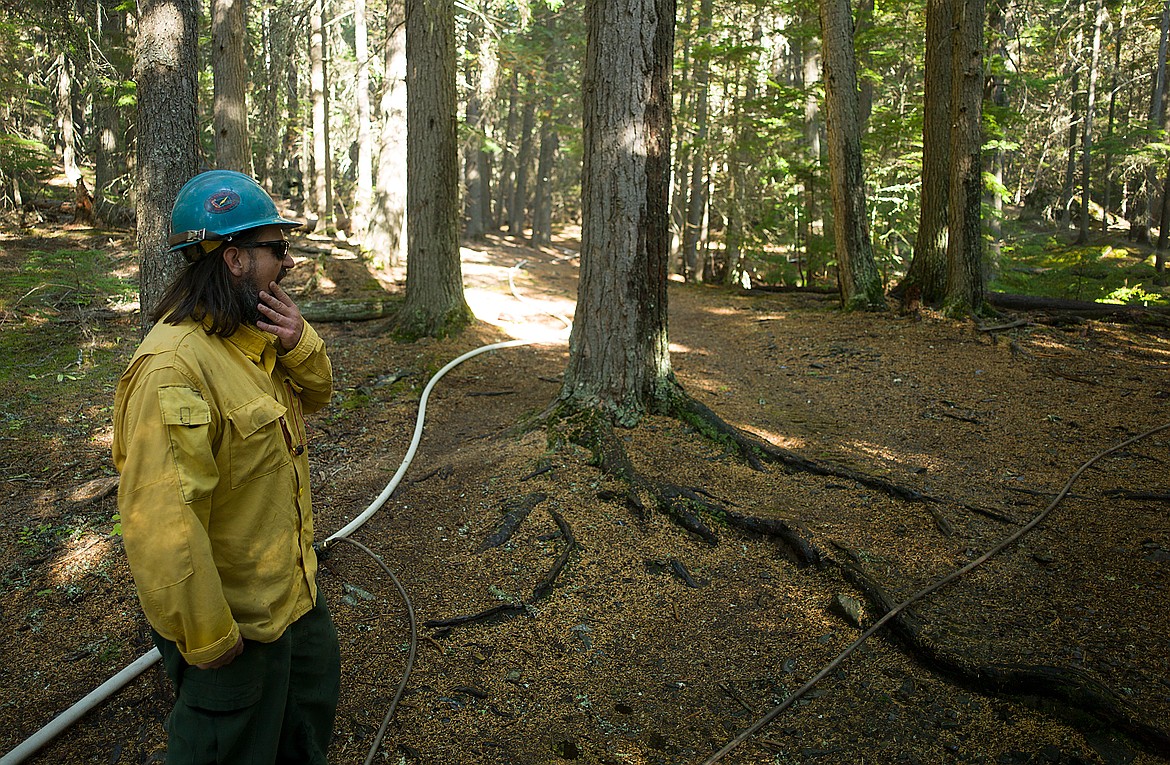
(418,428)
(118,681)
(73,713)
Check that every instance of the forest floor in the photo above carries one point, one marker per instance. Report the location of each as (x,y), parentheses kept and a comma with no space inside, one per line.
(653,646)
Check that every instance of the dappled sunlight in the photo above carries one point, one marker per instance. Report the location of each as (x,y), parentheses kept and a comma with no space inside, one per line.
(87,555)
(774,438)
(499,296)
(911,460)
(680,348)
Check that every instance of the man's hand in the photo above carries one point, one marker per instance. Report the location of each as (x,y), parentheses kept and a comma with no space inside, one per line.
(283,317)
(226,659)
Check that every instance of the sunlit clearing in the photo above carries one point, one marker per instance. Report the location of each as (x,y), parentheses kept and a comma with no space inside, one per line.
(81,557)
(500,296)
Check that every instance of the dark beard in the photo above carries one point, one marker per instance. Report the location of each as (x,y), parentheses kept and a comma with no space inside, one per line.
(248,301)
(248,296)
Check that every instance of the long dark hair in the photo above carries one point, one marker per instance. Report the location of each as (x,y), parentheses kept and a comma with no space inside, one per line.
(205,290)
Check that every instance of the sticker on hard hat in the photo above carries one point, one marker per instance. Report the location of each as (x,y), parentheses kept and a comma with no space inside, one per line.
(222,201)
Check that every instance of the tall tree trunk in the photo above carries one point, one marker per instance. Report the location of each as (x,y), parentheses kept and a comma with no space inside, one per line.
(266,135)
(1157,116)
(549,139)
(965,277)
(165,70)
(926,278)
(294,162)
(1164,225)
(542,198)
(386,235)
(806,228)
(1087,131)
(865,90)
(993,197)
(229,69)
(1067,192)
(473,179)
(434,304)
(739,156)
(319,94)
(857,273)
(363,194)
(65,119)
(697,198)
(679,184)
(619,358)
(518,209)
(503,213)
(1119,36)
(109,158)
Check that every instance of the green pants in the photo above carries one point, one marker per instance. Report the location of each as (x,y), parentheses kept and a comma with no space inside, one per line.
(274,703)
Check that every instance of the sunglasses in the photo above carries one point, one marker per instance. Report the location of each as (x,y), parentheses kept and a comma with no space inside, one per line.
(279,247)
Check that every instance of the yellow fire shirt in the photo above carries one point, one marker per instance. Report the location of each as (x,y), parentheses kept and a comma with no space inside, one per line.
(217,519)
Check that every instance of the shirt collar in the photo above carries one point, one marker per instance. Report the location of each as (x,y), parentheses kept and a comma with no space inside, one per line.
(256,345)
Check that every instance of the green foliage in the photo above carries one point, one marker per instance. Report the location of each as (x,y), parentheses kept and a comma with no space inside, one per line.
(35,343)
(1042,265)
(24,158)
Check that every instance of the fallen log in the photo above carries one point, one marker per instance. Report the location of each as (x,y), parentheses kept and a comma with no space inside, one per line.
(344,309)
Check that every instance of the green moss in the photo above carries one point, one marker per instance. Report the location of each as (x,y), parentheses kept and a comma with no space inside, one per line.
(412,325)
(1102,272)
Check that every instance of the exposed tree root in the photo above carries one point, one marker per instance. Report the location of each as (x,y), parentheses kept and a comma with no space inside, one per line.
(1075,694)
(540,591)
(1078,695)
(515,513)
(756,450)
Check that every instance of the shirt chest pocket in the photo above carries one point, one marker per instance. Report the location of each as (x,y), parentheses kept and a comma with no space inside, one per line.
(256,442)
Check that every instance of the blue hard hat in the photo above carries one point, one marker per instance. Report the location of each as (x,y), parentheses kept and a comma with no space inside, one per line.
(214,205)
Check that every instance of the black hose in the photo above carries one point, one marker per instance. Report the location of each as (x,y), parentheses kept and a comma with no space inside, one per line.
(775,711)
(413,644)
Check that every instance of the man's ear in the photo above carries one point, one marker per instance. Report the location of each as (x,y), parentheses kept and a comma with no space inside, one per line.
(233,258)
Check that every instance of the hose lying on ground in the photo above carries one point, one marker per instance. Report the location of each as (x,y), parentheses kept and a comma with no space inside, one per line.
(893,612)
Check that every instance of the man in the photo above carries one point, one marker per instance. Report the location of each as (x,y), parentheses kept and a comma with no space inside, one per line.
(209,438)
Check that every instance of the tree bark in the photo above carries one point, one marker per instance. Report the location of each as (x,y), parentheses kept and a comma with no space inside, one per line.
(109,135)
(364,192)
(473,176)
(680,157)
(619,360)
(965,277)
(810,75)
(165,70)
(65,119)
(692,253)
(319,94)
(385,237)
(1157,118)
(229,120)
(857,274)
(434,305)
(1087,129)
(542,198)
(518,209)
(507,183)
(926,278)
(1067,192)
(1107,194)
